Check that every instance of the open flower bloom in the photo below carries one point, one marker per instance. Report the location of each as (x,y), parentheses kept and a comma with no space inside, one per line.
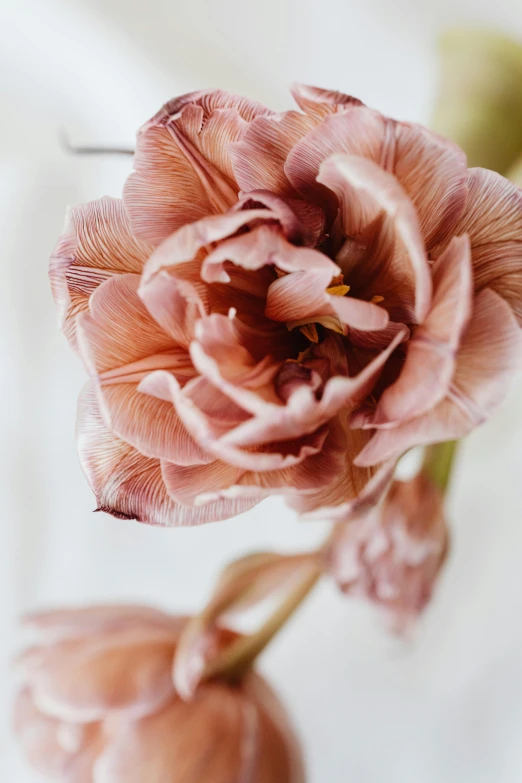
(282,303)
(98,706)
(393,553)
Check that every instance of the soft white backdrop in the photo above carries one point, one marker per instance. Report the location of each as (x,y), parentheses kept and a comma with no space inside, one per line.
(445,706)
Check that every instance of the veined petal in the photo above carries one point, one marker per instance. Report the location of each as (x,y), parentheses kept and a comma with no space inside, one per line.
(489,354)
(96,244)
(432,170)
(432,351)
(182,166)
(129,485)
(493,221)
(377,213)
(318,103)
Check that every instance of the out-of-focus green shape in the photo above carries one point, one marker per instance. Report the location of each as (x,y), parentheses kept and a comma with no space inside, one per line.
(515,173)
(479,104)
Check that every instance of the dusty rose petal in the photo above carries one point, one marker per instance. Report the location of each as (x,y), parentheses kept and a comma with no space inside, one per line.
(259,157)
(303,412)
(431,169)
(176,299)
(185,243)
(199,740)
(55,625)
(493,220)
(198,485)
(318,102)
(129,485)
(348,484)
(395,264)
(431,353)
(182,165)
(486,361)
(60,751)
(118,362)
(96,244)
(301,297)
(80,680)
(261,247)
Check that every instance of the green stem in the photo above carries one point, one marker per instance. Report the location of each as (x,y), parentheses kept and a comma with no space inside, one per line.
(438,463)
(238,658)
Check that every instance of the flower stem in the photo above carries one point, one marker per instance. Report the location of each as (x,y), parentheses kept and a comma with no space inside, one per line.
(438,463)
(239,657)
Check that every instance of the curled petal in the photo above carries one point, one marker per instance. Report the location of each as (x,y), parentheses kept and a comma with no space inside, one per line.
(318,102)
(121,670)
(58,750)
(395,264)
(486,361)
(96,244)
(432,351)
(493,221)
(129,485)
(431,169)
(182,166)
(261,247)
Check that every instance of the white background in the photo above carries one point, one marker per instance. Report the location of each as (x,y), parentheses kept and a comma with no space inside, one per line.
(443,707)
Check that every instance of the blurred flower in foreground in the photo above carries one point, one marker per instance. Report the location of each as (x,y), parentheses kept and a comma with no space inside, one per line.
(393,553)
(283,302)
(480,96)
(98,706)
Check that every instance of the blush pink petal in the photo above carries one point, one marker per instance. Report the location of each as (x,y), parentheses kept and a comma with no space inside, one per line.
(432,351)
(49,627)
(348,483)
(97,243)
(275,455)
(57,750)
(184,245)
(432,170)
(486,362)
(318,102)
(395,266)
(303,412)
(118,361)
(183,169)
(259,157)
(493,220)
(79,680)
(220,480)
(127,484)
(263,246)
(301,296)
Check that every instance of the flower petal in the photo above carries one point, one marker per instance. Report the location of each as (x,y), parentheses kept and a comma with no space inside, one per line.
(55,625)
(431,169)
(120,670)
(431,353)
(198,740)
(493,220)
(97,243)
(318,102)
(393,264)
(58,750)
(182,166)
(489,355)
(121,343)
(129,485)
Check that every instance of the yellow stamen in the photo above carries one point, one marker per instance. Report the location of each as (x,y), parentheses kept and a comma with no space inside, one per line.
(376,299)
(338,290)
(310,331)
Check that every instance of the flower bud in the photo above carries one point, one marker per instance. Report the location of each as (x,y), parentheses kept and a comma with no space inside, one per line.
(97,705)
(393,553)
